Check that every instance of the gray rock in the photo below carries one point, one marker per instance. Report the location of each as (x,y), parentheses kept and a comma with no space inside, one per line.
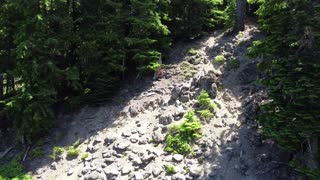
(175,93)
(157,171)
(185,98)
(126,169)
(111,171)
(53,166)
(195,171)
(136,161)
(165,119)
(110,139)
(126,134)
(158,137)
(109,160)
(177,157)
(133,111)
(178,176)
(226,96)
(138,176)
(123,145)
(70,172)
(85,170)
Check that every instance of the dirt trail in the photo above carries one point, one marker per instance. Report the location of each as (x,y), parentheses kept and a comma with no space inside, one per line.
(125,139)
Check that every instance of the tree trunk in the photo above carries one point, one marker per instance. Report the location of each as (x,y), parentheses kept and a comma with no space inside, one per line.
(240,15)
(1,86)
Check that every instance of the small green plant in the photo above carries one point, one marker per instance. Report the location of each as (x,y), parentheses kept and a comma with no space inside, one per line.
(73,152)
(36,152)
(205,114)
(180,136)
(205,101)
(192,52)
(169,169)
(154,66)
(76,144)
(188,69)
(57,151)
(219,58)
(84,156)
(233,64)
(13,170)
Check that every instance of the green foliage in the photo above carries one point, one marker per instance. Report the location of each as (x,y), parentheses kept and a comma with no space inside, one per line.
(291,68)
(233,64)
(205,114)
(57,151)
(13,170)
(36,152)
(205,101)
(169,169)
(188,18)
(180,137)
(219,58)
(192,52)
(72,152)
(188,69)
(84,156)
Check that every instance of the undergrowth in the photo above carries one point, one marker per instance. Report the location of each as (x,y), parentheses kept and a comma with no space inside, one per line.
(180,136)
(169,169)
(13,170)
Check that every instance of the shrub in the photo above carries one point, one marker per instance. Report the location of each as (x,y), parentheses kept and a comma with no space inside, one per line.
(205,101)
(169,169)
(13,170)
(180,137)
(192,52)
(36,152)
(56,151)
(205,114)
(73,152)
(219,58)
(233,64)
(188,69)
(84,156)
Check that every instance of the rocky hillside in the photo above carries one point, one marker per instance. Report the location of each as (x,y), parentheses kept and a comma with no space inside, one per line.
(126,139)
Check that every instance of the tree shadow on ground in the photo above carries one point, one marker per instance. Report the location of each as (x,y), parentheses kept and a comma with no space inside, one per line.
(243,152)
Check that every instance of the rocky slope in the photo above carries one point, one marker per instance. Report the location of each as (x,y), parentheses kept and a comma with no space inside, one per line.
(126,139)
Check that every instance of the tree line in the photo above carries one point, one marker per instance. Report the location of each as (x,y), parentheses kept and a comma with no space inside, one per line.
(73,51)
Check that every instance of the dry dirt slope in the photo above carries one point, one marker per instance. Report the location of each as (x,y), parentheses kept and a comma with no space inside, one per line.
(125,139)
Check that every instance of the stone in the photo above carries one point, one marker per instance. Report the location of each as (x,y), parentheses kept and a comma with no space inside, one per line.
(158,137)
(165,119)
(53,166)
(97,140)
(214,90)
(177,157)
(85,170)
(133,111)
(136,161)
(126,169)
(138,176)
(110,139)
(178,176)
(226,96)
(157,171)
(126,134)
(195,171)
(70,172)
(175,93)
(109,160)
(123,145)
(111,171)
(185,98)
